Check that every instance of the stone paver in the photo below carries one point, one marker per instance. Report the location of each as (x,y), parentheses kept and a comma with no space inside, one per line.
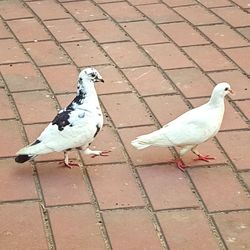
(158,59)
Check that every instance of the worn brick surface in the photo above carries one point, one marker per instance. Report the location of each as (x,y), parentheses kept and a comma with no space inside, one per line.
(6,111)
(4,33)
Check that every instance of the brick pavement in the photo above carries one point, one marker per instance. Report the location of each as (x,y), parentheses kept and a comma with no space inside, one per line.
(158,59)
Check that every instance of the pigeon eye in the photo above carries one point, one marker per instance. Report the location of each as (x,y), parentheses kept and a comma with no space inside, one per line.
(92,74)
(226,89)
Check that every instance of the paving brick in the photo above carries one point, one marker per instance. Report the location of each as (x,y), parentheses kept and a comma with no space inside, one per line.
(21,226)
(122,12)
(85,53)
(131,226)
(175,3)
(150,34)
(223,36)
(106,140)
(10,133)
(61,185)
(36,30)
(238,81)
(84,11)
(21,77)
(192,82)
(46,53)
(11,52)
(58,80)
(66,30)
(168,56)
(215,3)
(236,144)
(123,104)
(203,16)
(143,77)
(187,230)
(234,228)
(211,183)
(76,228)
(208,58)
(65,99)
(178,33)
(13,9)
(238,55)
(98,29)
(126,54)
(242,3)
(233,15)
(244,107)
(47,9)
(16,181)
(246,178)
(245,31)
(151,155)
(159,13)
(4,32)
(123,192)
(166,108)
(6,111)
(231,119)
(167,187)
(35,107)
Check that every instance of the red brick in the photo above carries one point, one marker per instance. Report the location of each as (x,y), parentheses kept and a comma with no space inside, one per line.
(239,83)
(6,111)
(245,31)
(58,80)
(106,140)
(191,82)
(76,228)
(65,100)
(99,29)
(223,36)
(234,228)
(21,77)
(149,35)
(16,181)
(126,54)
(236,145)
(178,33)
(242,3)
(238,55)
(160,13)
(10,137)
(13,9)
(122,193)
(4,33)
(175,3)
(46,53)
(233,15)
(36,30)
(143,77)
(168,56)
(151,155)
(215,3)
(208,58)
(35,107)
(122,12)
(211,183)
(167,187)
(244,107)
(61,185)
(188,228)
(246,178)
(85,53)
(48,9)
(231,120)
(130,227)
(84,10)
(66,30)
(125,104)
(22,227)
(11,52)
(166,108)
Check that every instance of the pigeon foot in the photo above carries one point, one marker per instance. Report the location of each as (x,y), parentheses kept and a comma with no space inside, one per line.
(205,158)
(70,164)
(179,164)
(100,153)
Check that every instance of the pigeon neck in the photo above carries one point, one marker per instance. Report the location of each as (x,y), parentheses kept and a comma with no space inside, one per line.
(86,91)
(216,99)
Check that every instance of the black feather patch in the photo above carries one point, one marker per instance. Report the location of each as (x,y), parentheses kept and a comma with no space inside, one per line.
(77,100)
(36,142)
(62,119)
(23,158)
(97,130)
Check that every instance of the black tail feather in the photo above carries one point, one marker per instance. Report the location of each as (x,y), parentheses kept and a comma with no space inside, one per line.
(23,158)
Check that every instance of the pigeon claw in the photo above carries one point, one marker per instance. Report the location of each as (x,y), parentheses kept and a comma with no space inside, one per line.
(69,164)
(205,158)
(101,153)
(179,164)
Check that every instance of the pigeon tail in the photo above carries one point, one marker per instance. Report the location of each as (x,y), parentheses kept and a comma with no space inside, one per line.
(139,144)
(23,158)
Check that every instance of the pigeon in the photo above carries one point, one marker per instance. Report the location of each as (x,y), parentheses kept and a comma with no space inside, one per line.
(74,127)
(191,128)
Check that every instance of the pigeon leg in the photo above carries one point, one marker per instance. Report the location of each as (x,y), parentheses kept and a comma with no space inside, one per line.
(179,163)
(95,153)
(68,163)
(201,157)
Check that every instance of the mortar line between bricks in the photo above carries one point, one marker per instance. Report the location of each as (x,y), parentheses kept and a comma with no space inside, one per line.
(34,200)
(229,211)
(234,4)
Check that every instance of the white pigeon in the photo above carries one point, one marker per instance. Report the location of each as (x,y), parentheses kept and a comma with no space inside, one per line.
(73,127)
(191,128)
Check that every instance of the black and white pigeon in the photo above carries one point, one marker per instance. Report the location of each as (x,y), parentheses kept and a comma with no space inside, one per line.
(74,127)
(191,128)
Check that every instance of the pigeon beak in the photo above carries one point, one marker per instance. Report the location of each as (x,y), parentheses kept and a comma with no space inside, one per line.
(231,91)
(99,79)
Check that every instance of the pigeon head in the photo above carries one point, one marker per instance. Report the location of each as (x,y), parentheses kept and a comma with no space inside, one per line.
(90,74)
(223,89)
